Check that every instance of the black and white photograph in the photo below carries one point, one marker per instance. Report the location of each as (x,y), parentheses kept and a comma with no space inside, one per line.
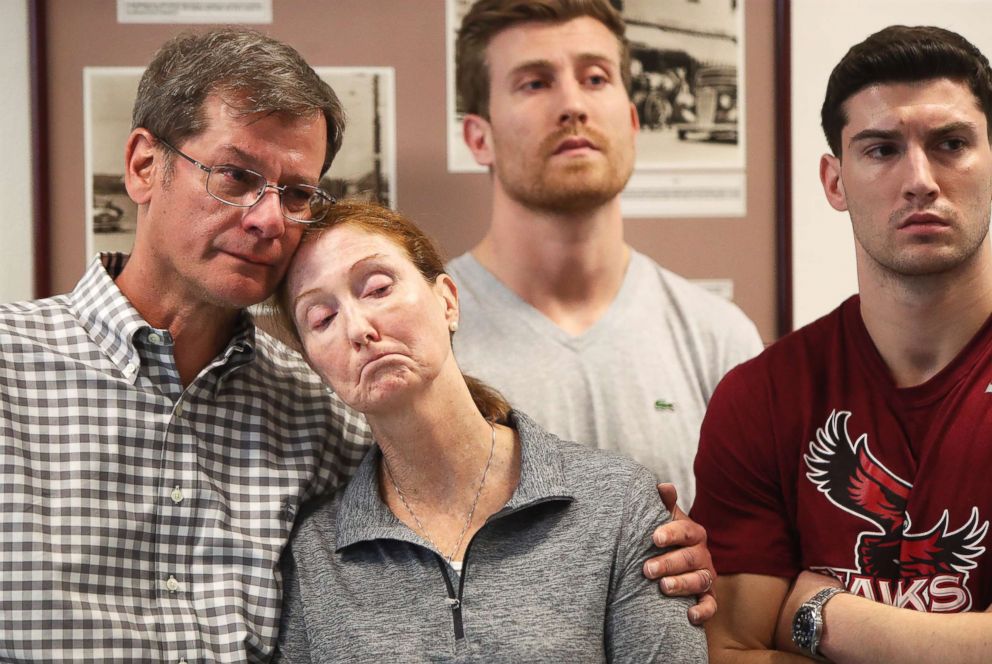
(365,168)
(687,86)
(108,94)
(686,81)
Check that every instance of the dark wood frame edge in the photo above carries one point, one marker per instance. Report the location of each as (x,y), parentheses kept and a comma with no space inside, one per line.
(783,166)
(38,64)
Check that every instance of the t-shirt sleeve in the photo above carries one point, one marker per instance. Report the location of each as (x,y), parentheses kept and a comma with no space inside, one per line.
(643,625)
(735,340)
(739,495)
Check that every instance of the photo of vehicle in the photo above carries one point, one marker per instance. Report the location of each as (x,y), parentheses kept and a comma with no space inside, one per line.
(716,111)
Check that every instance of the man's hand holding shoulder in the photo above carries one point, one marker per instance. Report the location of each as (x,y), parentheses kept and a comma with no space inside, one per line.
(688,568)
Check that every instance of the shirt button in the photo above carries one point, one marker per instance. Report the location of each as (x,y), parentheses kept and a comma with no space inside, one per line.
(155,338)
(178,410)
(177,495)
(129,370)
(172,584)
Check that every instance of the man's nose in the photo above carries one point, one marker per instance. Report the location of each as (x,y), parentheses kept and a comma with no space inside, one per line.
(920,184)
(573,102)
(265,217)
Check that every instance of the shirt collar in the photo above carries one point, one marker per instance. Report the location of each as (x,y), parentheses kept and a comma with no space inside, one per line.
(111,321)
(363,516)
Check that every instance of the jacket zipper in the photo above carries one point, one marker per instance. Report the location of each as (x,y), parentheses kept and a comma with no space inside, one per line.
(454,601)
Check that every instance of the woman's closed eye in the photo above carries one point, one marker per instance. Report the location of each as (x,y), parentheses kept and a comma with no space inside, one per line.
(320,317)
(377,285)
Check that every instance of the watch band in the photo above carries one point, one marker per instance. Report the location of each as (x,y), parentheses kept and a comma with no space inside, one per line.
(811,613)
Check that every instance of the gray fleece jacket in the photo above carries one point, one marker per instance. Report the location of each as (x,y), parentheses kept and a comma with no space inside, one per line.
(555,576)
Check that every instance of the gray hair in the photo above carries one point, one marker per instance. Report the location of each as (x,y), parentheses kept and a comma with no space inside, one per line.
(251,72)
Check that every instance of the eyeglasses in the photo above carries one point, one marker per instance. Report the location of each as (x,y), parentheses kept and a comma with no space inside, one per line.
(243,188)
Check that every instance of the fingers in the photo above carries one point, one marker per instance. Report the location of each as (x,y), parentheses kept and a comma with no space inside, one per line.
(688,569)
(679,561)
(707,580)
(696,582)
(681,532)
(669,495)
(704,609)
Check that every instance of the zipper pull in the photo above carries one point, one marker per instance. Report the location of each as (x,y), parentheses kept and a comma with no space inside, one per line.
(454,603)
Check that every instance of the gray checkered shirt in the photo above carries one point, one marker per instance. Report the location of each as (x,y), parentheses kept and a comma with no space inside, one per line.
(140,521)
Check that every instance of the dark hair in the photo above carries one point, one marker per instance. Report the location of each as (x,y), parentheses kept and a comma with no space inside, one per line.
(251,72)
(423,253)
(903,54)
(487,18)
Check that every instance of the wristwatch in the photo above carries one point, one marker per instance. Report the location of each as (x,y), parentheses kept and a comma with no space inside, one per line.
(807,624)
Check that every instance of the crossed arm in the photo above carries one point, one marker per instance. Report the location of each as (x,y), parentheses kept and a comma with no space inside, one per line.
(754,626)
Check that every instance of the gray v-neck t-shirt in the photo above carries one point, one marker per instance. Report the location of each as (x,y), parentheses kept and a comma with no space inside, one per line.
(637,381)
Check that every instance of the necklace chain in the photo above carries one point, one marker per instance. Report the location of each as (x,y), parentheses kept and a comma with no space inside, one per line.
(471,511)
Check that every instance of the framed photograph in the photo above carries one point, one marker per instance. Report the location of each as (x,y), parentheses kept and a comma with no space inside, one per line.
(688,88)
(365,167)
(111,216)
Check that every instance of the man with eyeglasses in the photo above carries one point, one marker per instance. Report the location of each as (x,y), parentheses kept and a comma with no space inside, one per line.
(154,446)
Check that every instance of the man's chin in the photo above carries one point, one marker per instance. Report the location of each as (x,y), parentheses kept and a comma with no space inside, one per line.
(241,293)
(567,197)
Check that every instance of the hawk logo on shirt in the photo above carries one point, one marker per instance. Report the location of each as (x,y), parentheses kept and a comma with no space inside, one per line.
(927,570)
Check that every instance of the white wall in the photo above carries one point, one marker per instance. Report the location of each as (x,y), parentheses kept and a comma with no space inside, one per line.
(16,247)
(822,244)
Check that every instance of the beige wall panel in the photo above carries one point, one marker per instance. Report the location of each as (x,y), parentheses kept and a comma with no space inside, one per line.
(452,207)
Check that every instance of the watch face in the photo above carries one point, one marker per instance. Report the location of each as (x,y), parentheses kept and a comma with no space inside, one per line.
(804,627)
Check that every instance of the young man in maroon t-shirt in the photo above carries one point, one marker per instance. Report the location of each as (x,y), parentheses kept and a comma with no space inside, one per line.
(856,453)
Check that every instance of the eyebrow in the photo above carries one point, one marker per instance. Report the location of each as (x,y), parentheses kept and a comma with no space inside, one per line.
(544,63)
(351,270)
(241,154)
(255,164)
(892,134)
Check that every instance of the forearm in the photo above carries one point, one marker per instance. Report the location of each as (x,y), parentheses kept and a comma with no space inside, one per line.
(757,655)
(743,630)
(860,630)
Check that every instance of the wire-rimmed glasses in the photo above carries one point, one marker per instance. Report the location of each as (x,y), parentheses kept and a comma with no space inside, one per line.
(244,188)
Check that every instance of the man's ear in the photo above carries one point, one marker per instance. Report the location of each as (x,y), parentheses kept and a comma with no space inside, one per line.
(477,133)
(635,119)
(141,163)
(833,184)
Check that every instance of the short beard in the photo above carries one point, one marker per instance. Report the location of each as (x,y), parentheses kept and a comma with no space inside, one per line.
(574,189)
(570,194)
(903,265)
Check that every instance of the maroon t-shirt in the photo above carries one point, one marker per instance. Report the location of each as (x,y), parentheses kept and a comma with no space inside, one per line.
(811,458)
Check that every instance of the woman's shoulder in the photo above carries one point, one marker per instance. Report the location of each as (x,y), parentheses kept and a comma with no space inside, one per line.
(586,470)
(318,515)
